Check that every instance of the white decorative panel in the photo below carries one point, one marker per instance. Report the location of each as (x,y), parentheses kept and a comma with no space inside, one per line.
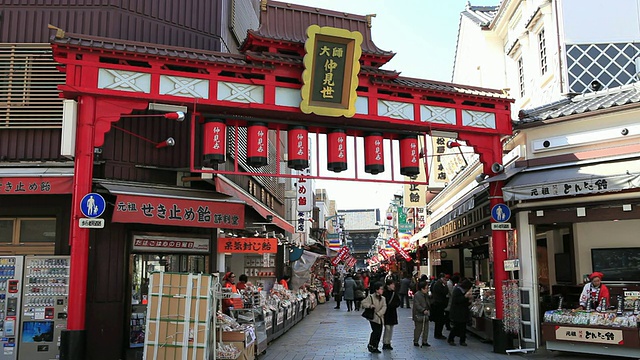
(362,105)
(124,80)
(395,109)
(184,86)
(288,97)
(244,93)
(479,119)
(437,114)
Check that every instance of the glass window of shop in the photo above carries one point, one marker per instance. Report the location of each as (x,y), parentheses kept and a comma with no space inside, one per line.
(38,234)
(169,257)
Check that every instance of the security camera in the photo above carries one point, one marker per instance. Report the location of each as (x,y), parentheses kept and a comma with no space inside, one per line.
(624,131)
(595,85)
(497,168)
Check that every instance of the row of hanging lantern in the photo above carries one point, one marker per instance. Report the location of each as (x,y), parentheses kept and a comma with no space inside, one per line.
(215,136)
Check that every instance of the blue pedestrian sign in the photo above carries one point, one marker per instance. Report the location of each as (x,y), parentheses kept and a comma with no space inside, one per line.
(92,205)
(500,213)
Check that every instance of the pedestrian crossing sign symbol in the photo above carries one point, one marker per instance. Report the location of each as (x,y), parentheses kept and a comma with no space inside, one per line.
(92,205)
(500,213)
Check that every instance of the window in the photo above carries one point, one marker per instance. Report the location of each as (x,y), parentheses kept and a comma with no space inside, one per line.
(31,231)
(542,48)
(521,76)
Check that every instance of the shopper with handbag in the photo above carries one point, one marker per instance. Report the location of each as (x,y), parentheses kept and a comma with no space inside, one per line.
(391,315)
(375,306)
(349,291)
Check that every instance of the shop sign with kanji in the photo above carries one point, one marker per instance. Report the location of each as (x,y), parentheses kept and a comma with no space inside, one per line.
(342,254)
(248,245)
(396,246)
(331,67)
(304,192)
(151,243)
(414,193)
(590,335)
(178,212)
(36,185)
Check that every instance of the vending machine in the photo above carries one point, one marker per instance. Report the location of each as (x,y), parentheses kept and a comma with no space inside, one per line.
(10,298)
(44,306)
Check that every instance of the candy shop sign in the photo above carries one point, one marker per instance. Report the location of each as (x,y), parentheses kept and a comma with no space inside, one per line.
(588,335)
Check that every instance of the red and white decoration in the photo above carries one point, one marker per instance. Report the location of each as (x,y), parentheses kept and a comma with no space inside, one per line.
(337,150)
(373,153)
(257,144)
(409,155)
(396,246)
(298,140)
(214,142)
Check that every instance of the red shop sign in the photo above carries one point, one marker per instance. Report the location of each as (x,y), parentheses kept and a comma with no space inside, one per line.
(248,245)
(36,185)
(178,212)
(396,246)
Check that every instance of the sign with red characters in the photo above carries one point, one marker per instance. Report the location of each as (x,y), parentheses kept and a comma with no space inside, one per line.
(342,254)
(248,245)
(36,185)
(396,246)
(178,212)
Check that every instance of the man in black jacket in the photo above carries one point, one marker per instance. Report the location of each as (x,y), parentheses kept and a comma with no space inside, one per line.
(440,296)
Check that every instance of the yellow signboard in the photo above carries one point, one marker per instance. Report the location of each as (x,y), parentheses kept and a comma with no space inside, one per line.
(415,194)
(331,67)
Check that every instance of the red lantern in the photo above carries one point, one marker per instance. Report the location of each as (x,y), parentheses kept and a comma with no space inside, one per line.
(214,146)
(298,138)
(257,144)
(373,153)
(409,155)
(337,150)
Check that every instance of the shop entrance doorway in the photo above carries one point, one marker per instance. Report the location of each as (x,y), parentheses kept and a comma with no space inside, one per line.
(445,267)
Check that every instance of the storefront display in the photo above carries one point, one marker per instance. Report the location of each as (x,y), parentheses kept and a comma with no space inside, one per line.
(612,332)
(483,310)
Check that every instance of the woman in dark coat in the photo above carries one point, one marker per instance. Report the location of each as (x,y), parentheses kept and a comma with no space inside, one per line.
(461,299)
(391,315)
(337,290)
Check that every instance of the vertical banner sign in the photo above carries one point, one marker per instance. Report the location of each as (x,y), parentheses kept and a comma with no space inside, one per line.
(301,225)
(331,67)
(396,246)
(342,253)
(414,193)
(304,202)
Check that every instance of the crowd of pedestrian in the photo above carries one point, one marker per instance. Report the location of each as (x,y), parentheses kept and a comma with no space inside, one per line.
(443,300)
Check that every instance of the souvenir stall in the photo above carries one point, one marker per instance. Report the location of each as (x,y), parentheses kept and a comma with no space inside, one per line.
(609,329)
(483,310)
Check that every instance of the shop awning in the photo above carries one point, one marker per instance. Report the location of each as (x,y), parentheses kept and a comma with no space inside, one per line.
(164,205)
(591,179)
(226,186)
(36,180)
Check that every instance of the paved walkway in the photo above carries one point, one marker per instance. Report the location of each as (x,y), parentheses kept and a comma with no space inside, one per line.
(327,333)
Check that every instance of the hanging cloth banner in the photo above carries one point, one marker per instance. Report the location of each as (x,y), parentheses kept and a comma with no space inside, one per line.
(342,253)
(396,246)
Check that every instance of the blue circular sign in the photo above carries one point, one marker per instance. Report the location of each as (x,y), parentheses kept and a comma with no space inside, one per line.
(500,213)
(92,205)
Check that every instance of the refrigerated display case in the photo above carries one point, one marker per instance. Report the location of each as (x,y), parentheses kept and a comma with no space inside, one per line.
(44,306)
(10,299)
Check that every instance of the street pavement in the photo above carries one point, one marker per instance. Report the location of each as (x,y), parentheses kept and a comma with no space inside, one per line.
(327,333)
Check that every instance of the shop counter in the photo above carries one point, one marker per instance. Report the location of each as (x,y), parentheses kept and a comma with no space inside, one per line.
(603,333)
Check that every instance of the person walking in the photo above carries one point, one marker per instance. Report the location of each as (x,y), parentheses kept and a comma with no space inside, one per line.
(440,296)
(376,302)
(403,293)
(337,290)
(349,291)
(391,315)
(420,314)
(462,296)
(359,293)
